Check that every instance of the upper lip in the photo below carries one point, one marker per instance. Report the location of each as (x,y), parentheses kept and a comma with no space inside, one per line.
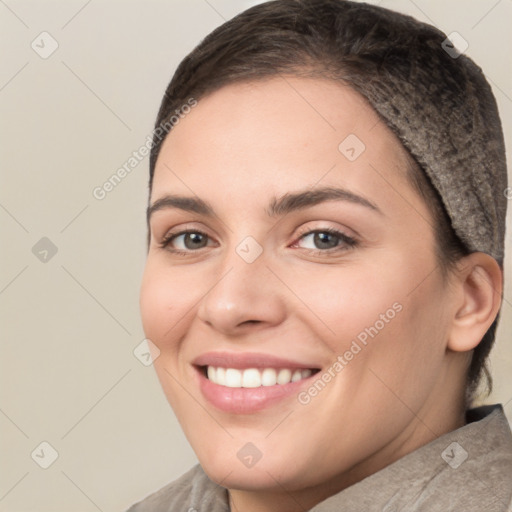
(244,360)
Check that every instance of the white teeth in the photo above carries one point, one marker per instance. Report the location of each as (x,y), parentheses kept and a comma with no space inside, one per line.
(253,377)
(297,375)
(220,376)
(284,376)
(306,374)
(233,378)
(269,377)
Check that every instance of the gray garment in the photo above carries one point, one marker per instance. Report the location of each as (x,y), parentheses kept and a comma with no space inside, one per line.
(467,470)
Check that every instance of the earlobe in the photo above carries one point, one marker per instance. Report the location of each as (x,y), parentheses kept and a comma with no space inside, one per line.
(481,283)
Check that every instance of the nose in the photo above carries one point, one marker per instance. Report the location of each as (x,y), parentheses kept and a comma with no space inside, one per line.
(243,296)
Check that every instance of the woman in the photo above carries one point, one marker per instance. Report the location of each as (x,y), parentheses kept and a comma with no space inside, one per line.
(326,237)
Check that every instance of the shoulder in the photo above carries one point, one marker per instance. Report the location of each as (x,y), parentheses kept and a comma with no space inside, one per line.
(468,469)
(484,464)
(192,492)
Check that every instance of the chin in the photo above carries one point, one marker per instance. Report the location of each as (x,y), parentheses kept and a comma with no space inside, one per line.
(257,478)
(271,472)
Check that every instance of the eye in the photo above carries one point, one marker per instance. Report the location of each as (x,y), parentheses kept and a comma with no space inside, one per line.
(323,240)
(317,241)
(185,242)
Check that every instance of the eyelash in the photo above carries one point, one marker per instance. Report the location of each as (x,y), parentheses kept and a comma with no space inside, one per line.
(345,241)
(348,241)
(164,244)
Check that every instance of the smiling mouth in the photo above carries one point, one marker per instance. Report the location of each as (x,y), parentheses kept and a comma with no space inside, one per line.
(255,377)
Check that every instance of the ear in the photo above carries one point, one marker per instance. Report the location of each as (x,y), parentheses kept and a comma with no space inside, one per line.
(479,282)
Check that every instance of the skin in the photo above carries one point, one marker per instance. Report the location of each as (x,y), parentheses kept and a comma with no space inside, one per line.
(238,149)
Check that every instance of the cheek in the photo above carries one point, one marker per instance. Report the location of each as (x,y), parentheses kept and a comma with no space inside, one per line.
(406,356)
(392,309)
(345,302)
(163,304)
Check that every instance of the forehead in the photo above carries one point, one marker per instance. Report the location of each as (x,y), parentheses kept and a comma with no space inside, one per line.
(285,131)
(314,107)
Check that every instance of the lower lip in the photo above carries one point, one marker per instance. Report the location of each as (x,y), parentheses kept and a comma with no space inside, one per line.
(247,400)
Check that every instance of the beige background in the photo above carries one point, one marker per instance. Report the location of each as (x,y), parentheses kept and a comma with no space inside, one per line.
(69,325)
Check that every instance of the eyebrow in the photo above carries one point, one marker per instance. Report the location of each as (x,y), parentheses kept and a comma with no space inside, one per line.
(288,203)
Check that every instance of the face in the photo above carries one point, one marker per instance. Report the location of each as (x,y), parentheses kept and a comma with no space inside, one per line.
(292,288)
